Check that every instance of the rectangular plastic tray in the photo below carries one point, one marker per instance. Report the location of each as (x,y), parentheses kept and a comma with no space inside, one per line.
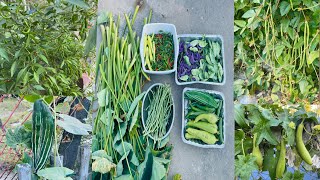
(154,28)
(197,36)
(184,121)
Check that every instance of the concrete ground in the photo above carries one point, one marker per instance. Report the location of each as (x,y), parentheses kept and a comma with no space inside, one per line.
(197,17)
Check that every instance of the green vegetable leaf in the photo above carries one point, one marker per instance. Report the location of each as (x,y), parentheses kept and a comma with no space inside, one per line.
(73,125)
(245,165)
(91,39)
(63,108)
(79,3)
(304,87)
(297,175)
(239,116)
(134,118)
(18,136)
(289,132)
(13,68)
(312,56)
(38,87)
(240,23)
(103,98)
(124,177)
(202,43)
(194,43)
(134,104)
(184,78)
(158,169)
(284,8)
(53,173)
(3,54)
(250,13)
(44,58)
(31,98)
(270,160)
(193,49)
(262,125)
(100,154)
(240,138)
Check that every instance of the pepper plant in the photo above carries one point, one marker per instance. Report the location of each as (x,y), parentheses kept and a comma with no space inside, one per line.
(41,47)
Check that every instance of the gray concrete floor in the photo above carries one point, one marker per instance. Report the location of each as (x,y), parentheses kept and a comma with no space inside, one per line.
(197,17)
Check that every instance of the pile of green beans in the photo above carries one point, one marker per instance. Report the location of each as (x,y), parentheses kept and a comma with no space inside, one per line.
(159,112)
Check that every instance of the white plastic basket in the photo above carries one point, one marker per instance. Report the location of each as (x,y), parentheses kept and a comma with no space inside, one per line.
(184,121)
(198,36)
(155,28)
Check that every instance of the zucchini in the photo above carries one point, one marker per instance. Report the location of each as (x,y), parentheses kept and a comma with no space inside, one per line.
(42,134)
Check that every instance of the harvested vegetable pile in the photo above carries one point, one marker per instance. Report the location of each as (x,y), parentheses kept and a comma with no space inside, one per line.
(200,60)
(160,112)
(159,51)
(119,149)
(204,117)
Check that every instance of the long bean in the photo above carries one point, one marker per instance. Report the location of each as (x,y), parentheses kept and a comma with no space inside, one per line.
(159,112)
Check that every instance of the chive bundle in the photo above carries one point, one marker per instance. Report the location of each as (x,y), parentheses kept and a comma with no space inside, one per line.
(159,112)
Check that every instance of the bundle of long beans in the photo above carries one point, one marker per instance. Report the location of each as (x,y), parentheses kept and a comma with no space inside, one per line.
(119,81)
(159,112)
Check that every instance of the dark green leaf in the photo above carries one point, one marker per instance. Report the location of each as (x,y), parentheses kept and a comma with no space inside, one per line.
(18,136)
(245,165)
(55,173)
(284,8)
(73,125)
(239,116)
(91,39)
(270,160)
(3,54)
(297,175)
(79,3)
(250,13)
(239,139)
(289,132)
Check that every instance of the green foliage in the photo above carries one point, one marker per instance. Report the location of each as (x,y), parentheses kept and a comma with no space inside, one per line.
(293,176)
(41,49)
(276,49)
(55,173)
(73,125)
(18,136)
(271,123)
(245,165)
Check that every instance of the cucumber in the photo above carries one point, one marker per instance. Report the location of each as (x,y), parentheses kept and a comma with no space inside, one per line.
(42,134)
(202,97)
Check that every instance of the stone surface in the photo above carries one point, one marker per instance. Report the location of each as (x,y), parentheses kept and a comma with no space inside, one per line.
(197,17)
